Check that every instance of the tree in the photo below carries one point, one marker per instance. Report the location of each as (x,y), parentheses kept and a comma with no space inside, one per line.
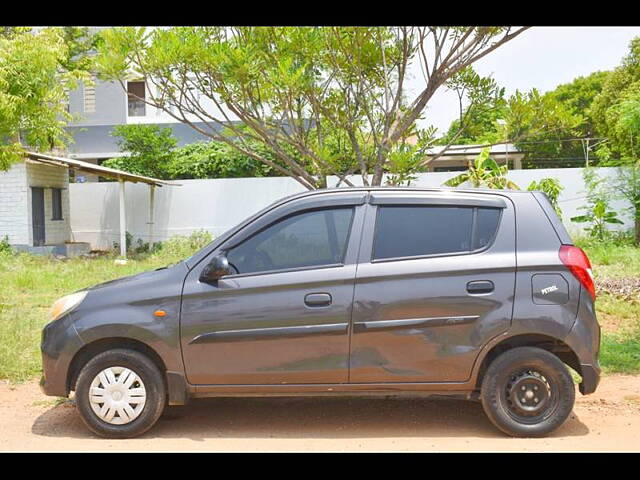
(33,86)
(152,151)
(538,124)
(613,110)
(149,147)
(616,111)
(297,89)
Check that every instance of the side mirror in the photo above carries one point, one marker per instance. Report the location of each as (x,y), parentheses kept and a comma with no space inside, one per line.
(216,268)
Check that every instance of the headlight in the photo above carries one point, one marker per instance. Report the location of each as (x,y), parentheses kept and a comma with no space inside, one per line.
(66,304)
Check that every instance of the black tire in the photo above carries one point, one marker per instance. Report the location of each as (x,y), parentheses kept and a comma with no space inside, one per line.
(527,371)
(151,377)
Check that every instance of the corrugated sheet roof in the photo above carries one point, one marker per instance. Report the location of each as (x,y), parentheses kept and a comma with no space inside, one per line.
(97,169)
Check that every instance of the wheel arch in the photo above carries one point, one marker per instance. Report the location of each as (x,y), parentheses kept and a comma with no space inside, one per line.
(90,350)
(545,342)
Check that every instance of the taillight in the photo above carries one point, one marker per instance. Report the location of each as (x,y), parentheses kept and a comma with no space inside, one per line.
(578,263)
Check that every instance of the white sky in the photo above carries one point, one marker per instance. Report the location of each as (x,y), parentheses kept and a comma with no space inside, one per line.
(542,58)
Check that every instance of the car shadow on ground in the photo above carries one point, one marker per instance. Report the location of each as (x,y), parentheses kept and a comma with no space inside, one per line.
(306,417)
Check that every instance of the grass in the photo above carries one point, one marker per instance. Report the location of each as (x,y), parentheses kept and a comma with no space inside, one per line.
(612,259)
(29,284)
(619,318)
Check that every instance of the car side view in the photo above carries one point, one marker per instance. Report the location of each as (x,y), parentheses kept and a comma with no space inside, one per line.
(475,294)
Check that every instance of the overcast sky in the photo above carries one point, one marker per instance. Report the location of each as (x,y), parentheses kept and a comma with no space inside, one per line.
(542,58)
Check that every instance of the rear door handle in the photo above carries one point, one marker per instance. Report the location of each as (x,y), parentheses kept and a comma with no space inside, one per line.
(480,286)
(317,299)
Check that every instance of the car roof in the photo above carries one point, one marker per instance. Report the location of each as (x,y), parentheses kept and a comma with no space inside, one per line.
(408,190)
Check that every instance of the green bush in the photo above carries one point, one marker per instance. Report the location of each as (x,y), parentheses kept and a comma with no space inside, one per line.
(5,247)
(184,246)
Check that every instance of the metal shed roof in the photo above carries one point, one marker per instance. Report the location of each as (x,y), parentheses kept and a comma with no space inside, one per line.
(97,169)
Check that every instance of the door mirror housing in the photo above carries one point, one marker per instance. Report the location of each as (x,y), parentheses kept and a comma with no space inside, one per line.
(216,268)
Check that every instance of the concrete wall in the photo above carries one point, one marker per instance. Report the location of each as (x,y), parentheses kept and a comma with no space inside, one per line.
(216,205)
(15,213)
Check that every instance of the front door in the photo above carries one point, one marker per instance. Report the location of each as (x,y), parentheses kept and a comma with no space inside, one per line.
(435,282)
(37,215)
(283,318)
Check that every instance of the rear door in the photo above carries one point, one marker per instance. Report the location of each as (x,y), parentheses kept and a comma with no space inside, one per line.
(435,282)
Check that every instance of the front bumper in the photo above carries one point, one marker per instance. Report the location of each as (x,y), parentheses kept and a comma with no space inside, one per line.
(59,344)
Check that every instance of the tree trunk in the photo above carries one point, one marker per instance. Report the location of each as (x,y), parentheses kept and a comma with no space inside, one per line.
(637,227)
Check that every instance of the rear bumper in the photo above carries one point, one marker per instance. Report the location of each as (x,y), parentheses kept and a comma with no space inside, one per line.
(590,379)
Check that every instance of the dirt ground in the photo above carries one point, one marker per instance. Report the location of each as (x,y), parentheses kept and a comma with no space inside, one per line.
(607,420)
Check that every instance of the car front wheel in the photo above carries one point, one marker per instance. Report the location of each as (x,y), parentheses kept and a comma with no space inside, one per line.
(120,393)
(527,392)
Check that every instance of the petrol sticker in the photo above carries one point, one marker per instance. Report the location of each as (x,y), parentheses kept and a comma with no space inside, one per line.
(550,289)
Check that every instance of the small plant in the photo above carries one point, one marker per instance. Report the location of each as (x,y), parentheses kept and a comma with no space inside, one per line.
(598,217)
(598,213)
(5,247)
(552,188)
(484,172)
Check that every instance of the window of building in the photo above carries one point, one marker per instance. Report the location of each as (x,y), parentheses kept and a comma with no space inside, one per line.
(136,97)
(309,239)
(413,231)
(56,204)
(89,98)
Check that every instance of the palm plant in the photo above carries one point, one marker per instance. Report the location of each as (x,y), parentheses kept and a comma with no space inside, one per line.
(484,171)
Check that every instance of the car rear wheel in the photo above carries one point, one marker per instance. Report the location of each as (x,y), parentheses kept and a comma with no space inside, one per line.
(527,392)
(120,394)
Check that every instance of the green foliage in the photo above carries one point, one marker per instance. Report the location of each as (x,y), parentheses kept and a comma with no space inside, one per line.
(552,188)
(153,152)
(323,100)
(405,160)
(616,256)
(5,247)
(477,122)
(216,160)
(33,86)
(536,123)
(484,172)
(150,149)
(615,110)
(183,247)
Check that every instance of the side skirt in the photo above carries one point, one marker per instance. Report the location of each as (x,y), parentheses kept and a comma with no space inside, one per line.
(457,390)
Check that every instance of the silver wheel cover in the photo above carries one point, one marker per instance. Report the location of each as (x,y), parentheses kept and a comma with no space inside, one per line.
(117,395)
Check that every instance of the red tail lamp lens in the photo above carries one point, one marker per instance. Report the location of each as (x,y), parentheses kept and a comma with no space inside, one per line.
(578,263)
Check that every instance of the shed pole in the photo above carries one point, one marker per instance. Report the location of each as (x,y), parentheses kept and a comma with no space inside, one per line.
(152,190)
(123,222)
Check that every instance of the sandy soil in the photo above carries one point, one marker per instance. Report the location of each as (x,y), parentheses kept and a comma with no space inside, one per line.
(607,420)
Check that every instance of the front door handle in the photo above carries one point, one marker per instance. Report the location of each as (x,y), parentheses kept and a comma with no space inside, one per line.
(480,286)
(317,299)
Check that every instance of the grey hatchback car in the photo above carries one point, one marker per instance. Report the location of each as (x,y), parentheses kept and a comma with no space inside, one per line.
(475,294)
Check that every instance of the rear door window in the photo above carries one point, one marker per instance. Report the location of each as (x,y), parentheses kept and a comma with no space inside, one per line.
(413,231)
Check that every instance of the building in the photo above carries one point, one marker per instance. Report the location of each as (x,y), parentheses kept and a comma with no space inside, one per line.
(98,108)
(34,206)
(457,157)
(34,203)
